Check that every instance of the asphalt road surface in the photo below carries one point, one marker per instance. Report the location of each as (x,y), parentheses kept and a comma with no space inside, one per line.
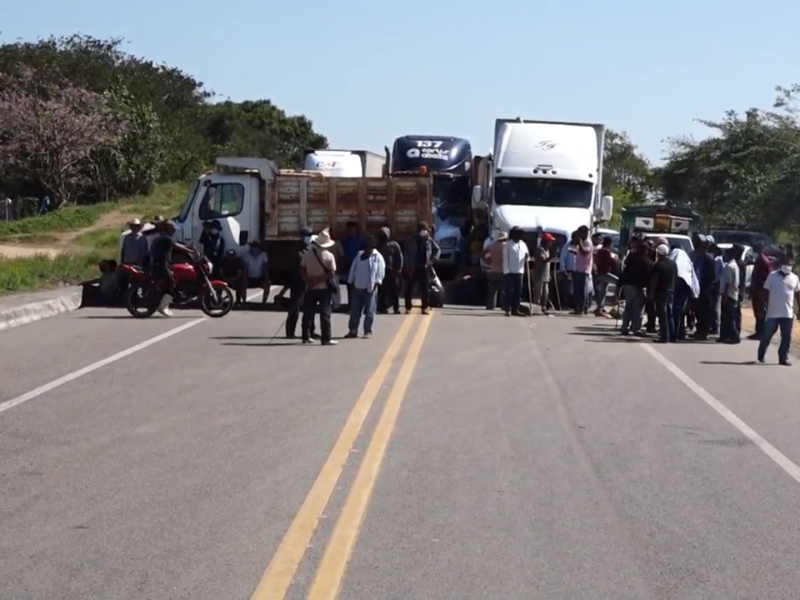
(458,456)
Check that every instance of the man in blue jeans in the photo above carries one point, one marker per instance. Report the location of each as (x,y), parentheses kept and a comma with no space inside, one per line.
(584,262)
(783,289)
(366,273)
(515,261)
(662,292)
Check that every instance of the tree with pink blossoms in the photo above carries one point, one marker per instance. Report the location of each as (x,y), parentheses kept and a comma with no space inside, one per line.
(50,133)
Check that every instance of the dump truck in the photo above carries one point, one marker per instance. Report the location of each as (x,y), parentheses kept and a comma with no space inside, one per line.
(255,200)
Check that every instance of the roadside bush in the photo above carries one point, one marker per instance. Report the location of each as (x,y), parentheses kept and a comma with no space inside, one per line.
(43,272)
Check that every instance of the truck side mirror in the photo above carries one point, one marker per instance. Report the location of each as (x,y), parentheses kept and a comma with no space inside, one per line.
(606,208)
(477,197)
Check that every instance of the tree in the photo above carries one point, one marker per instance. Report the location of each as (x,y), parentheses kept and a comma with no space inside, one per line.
(168,128)
(259,128)
(50,132)
(627,175)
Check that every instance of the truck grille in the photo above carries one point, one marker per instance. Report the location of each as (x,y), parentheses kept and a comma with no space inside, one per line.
(529,237)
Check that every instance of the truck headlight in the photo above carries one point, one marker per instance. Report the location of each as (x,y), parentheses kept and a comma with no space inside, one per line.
(450,242)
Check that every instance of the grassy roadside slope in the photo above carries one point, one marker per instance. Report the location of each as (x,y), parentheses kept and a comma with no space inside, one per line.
(67,244)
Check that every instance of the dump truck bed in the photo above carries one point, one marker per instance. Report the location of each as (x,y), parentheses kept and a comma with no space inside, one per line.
(293,200)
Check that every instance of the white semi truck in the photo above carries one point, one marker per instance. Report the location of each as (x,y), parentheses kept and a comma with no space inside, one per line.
(544,176)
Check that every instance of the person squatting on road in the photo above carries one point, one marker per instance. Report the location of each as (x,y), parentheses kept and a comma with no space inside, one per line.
(782,289)
(318,268)
(367,272)
(515,259)
(421,251)
(493,258)
(389,290)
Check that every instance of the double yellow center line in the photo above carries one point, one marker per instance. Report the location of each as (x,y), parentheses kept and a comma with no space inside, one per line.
(284,564)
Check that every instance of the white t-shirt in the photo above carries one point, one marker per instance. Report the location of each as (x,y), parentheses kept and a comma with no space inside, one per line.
(782,289)
(255,264)
(515,255)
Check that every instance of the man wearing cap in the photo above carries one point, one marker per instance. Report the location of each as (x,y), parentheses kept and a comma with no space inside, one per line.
(135,249)
(318,268)
(420,252)
(256,270)
(493,259)
(541,272)
(783,298)
(662,291)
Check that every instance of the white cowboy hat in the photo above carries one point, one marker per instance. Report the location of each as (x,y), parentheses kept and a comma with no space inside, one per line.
(134,222)
(500,235)
(323,239)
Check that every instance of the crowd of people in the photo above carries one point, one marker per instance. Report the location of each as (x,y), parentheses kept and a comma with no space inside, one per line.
(703,293)
(697,295)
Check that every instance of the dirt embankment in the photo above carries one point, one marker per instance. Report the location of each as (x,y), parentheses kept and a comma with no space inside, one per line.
(53,244)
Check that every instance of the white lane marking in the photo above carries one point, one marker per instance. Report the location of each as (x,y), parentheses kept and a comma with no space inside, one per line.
(9,404)
(776,455)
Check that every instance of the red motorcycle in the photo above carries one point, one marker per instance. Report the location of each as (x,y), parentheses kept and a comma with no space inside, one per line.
(191,279)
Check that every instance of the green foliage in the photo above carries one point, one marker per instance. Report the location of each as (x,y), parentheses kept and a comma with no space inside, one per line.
(23,274)
(67,219)
(627,175)
(168,127)
(746,173)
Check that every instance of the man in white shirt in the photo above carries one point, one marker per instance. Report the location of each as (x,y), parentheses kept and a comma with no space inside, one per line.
(783,289)
(729,299)
(515,262)
(256,270)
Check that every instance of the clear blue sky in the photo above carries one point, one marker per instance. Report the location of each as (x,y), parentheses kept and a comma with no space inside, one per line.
(366,72)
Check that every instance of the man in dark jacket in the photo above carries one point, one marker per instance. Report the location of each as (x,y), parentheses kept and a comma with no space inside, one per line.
(297,288)
(635,281)
(420,252)
(705,269)
(389,290)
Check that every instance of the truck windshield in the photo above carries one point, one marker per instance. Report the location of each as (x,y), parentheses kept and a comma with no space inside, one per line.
(187,204)
(537,191)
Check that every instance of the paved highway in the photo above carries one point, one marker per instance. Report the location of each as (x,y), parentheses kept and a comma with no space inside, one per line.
(458,456)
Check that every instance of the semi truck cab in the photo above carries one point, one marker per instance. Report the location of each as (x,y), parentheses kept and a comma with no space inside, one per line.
(449,161)
(545,176)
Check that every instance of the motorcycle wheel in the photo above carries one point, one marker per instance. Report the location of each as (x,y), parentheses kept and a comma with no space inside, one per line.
(141,300)
(219,308)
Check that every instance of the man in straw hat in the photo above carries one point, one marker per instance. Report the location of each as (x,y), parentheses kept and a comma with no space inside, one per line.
(318,269)
(134,247)
(493,258)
